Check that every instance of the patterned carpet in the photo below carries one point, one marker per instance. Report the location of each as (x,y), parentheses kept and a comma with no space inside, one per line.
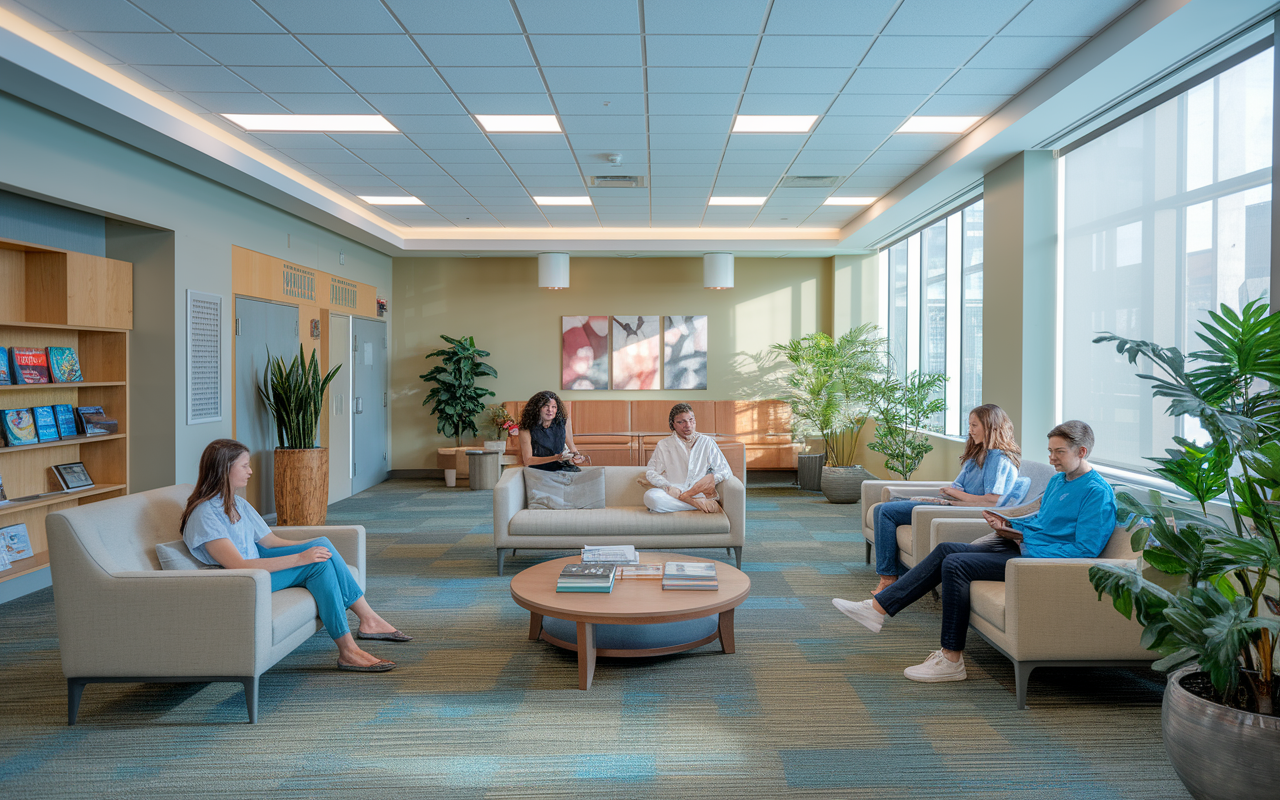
(811,705)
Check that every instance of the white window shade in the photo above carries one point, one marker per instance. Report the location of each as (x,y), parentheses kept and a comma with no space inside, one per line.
(204,358)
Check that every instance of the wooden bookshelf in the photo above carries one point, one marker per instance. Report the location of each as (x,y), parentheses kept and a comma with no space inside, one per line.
(60,298)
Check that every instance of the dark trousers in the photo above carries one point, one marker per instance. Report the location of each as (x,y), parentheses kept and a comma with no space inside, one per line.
(953,566)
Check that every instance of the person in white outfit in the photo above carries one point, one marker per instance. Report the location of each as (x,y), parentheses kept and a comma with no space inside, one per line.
(685,467)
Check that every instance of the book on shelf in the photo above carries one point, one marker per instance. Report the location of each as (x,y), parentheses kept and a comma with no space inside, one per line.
(66,418)
(4,498)
(94,421)
(586,578)
(73,476)
(46,423)
(5,377)
(64,365)
(650,571)
(15,542)
(29,365)
(691,575)
(4,560)
(610,554)
(19,426)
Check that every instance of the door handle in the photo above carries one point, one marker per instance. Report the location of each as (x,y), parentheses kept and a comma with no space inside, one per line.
(358,406)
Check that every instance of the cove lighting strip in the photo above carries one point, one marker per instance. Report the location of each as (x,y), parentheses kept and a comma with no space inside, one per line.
(313,123)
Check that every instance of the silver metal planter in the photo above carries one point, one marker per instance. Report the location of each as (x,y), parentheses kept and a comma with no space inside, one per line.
(809,470)
(1220,753)
(844,484)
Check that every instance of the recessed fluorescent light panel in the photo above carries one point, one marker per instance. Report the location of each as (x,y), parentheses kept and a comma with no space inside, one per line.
(374,200)
(313,123)
(745,123)
(519,123)
(848,201)
(562,201)
(937,124)
(737,201)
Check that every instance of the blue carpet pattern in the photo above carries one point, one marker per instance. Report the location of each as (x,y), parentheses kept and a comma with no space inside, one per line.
(811,705)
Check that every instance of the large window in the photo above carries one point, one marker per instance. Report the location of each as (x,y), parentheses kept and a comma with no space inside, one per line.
(934,283)
(1164,218)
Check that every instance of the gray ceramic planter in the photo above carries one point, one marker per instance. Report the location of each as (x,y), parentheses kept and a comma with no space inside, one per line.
(844,484)
(1218,752)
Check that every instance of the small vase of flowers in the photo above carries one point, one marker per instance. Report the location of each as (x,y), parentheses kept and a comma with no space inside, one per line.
(504,426)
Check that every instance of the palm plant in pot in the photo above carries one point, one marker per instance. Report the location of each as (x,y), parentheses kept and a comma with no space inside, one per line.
(902,408)
(454,397)
(294,394)
(1216,628)
(829,390)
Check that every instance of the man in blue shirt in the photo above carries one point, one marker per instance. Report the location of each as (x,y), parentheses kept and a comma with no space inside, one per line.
(1076,518)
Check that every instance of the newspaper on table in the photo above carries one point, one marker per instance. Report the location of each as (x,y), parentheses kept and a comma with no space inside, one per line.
(610,554)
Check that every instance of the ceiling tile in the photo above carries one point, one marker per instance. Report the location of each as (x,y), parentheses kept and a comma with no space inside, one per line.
(392,80)
(680,182)
(505,80)
(699,170)
(607,141)
(753,169)
(95,15)
(588,51)
(436,124)
(438,193)
(990,81)
(618,104)
(692,104)
(887,171)
(448,158)
(685,141)
(704,16)
(843,52)
(767,144)
(626,80)
(536,183)
(450,16)
(765,185)
(561,169)
(1026,52)
(354,50)
(196,79)
(801,81)
(828,16)
(1066,17)
(578,16)
(909,158)
(320,155)
(464,172)
(923,51)
(699,51)
(148,48)
(529,141)
(293,79)
(880,105)
(896,81)
(696,80)
(548,157)
(430,183)
(843,142)
(410,173)
(718,124)
(756,103)
(347,170)
(305,141)
(490,180)
(332,16)
(390,104)
(684,156)
(968,105)
(264,50)
(538,103)
(374,141)
(919,141)
(868,124)
(237,102)
(477,51)
(949,18)
(307,103)
(603,124)
(101,56)
(858,184)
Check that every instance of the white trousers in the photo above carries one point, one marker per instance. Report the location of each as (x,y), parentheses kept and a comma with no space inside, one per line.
(658,500)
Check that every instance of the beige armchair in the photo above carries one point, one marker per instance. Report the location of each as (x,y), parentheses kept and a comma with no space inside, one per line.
(1046,613)
(121,619)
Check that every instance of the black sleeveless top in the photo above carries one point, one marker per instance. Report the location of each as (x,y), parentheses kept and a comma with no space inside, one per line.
(548,441)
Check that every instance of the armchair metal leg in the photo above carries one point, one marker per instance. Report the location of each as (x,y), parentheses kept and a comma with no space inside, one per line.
(75,688)
(737,557)
(1022,674)
(502,555)
(251,697)
(867,555)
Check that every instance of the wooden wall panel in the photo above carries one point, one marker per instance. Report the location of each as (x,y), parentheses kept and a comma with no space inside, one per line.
(13,282)
(99,292)
(602,416)
(46,287)
(651,415)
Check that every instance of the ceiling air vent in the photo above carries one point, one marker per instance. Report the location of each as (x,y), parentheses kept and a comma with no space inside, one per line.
(808,181)
(617,181)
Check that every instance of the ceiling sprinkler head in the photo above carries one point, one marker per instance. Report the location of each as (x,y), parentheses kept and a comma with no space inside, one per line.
(614,158)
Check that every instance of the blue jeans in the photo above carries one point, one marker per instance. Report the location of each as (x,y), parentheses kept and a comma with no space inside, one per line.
(330,583)
(888,517)
(953,565)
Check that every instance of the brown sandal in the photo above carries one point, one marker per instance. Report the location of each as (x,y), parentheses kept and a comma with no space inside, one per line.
(381,666)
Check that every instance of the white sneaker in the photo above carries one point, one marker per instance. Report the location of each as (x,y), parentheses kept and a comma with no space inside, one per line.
(937,668)
(862,612)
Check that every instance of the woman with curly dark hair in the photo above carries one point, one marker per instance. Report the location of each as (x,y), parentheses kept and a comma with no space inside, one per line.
(546,437)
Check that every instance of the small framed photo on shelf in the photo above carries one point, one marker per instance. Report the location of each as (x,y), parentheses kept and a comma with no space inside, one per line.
(73,476)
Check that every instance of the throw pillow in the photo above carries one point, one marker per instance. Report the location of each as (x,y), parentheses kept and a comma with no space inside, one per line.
(558,491)
(175,555)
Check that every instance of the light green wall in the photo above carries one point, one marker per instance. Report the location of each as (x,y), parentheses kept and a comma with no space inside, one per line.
(497,300)
(47,156)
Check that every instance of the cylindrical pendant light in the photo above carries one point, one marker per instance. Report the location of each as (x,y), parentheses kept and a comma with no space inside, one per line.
(717,270)
(553,270)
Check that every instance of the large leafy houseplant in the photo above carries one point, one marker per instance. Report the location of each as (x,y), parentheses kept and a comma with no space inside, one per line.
(830,387)
(294,394)
(455,399)
(902,408)
(1217,620)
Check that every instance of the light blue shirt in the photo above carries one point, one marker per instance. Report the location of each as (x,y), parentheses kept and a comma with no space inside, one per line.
(997,475)
(209,522)
(1075,520)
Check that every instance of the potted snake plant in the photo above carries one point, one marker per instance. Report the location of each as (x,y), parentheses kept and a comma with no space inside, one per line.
(294,394)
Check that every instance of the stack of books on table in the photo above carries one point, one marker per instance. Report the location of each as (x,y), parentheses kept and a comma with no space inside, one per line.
(610,554)
(696,575)
(586,578)
(648,571)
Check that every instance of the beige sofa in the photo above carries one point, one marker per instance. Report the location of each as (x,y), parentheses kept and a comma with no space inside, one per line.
(121,619)
(1045,613)
(624,520)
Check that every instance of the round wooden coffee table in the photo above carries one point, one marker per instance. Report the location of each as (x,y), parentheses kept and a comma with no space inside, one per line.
(633,601)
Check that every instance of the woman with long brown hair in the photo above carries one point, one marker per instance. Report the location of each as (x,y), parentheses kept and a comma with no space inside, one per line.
(546,436)
(220,528)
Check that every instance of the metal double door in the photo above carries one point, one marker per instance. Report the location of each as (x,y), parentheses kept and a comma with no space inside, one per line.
(369,456)
(261,327)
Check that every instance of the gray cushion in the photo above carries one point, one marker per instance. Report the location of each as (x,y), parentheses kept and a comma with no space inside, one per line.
(558,491)
(175,555)
(1039,474)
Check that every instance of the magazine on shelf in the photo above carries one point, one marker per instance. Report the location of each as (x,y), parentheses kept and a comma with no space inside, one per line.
(29,365)
(73,476)
(66,418)
(4,498)
(94,422)
(15,542)
(46,423)
(4,560)
(64,365)
(19,426)
(5,377)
